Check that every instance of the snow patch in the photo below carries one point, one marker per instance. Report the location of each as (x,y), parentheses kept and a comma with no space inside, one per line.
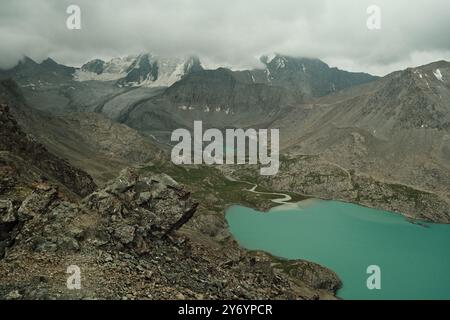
(119,65)
(270,57)
(438,75)
(169,72)
(268,75)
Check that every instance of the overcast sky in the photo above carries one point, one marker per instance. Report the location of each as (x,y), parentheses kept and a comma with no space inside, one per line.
(230,32)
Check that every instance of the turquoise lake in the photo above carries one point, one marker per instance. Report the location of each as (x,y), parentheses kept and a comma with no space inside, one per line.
(414,258)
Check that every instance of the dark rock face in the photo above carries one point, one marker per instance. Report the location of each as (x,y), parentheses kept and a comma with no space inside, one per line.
(311,77)
(192,65)
(95,66)
(14,140)
(28,71)
(219,87)
(141,69)
(217,97)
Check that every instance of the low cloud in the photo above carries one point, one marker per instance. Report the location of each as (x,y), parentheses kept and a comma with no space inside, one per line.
(229,32)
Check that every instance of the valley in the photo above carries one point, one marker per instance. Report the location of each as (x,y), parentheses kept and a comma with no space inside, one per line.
(86,174)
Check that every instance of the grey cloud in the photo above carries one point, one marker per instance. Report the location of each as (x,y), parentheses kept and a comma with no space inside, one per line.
(230,32)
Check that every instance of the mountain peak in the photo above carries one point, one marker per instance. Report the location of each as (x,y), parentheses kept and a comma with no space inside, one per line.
(27,61)
(145,69)
(309,77)
(49,62)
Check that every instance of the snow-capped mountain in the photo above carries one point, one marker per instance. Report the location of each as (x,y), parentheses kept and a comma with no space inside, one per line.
(144,70)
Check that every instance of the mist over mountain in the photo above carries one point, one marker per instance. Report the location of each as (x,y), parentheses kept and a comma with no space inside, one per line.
(230,33)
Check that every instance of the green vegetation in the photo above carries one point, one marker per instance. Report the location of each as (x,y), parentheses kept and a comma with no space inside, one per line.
(214,191)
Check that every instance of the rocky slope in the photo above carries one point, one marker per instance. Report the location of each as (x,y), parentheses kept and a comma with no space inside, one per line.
(123,238)
(88,140)
(32,74)
(216,97)
(23,146)
(314,176)
(308,77)
(223,98)
(394,130)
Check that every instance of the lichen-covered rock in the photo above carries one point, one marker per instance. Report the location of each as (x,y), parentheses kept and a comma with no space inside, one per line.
(7,212)
(125,234)
(37,202)
(139,205)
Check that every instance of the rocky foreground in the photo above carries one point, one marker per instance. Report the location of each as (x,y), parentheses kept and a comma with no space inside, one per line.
(123,238)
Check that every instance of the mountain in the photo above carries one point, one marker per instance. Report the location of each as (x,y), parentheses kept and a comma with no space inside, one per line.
(143,70)
(22,153)
(98,83)
(224,98)
(58,89)
(217,97)
(29,73)
(89,141)
(130,228)
(50,87)
(395,129)
(307,77)
(415,99)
